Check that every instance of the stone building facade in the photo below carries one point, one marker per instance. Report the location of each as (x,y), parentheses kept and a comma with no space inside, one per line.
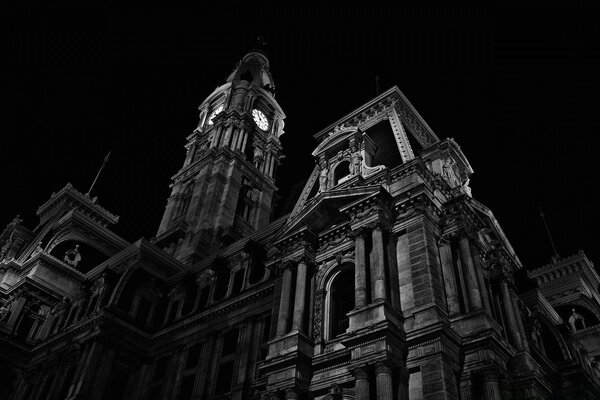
(387,279)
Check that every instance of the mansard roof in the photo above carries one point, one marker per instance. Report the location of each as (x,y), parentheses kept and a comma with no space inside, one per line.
(72,198)
(393,96)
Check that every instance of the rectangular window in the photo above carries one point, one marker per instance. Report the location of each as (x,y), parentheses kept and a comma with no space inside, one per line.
(160,369)
(64,389)
(224,378)
(193,356)
(173,312)
(187,387)
(229,342)
(143,312)
(154,392)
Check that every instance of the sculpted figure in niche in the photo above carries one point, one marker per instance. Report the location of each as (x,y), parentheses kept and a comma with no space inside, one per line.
(72,257)
(576,321)
(449,172)
(536,333)
(467,188)
(258,156)
(323,178)
(355,167)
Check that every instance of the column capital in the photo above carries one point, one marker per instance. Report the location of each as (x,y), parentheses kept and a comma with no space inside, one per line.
(378,224)
(360,232)
(383,367)
(291,394)
(360,372)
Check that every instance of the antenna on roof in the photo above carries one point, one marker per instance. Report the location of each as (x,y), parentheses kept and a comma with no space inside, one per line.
(555,257)
(98,174)
(376,85)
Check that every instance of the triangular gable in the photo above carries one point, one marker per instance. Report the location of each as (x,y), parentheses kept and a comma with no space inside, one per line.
(324,209)
(489,215)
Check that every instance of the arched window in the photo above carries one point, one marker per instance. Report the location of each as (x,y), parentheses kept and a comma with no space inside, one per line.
(186,198)
(341,300)
(246,201)
(341,172)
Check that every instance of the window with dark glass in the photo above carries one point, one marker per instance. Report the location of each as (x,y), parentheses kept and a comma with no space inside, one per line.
(342,301)
(226,362)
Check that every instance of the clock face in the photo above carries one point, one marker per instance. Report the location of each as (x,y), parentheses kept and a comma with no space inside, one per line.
(261,120)
(215,112)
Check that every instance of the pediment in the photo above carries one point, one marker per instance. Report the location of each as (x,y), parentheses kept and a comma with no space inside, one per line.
(323,210)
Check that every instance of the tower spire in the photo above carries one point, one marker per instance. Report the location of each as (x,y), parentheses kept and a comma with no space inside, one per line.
(555,257)
(98,174)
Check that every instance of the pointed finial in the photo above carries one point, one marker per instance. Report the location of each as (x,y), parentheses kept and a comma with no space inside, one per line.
(376,85)
(98,174)
(555,257)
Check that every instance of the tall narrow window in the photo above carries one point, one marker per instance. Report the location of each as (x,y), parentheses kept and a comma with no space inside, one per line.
(342,301)
(186,198)
(225,374)
(158,378)
(245,200)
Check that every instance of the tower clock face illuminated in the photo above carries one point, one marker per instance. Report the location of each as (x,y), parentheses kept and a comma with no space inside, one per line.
(214,113)
(261,120)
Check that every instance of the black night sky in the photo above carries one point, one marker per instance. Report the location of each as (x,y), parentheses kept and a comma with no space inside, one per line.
(517,88)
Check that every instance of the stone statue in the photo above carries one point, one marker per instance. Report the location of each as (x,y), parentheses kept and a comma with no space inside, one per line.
(72,257)
(449,172)
(356,163)
(466,188)
(323,177)
(536,333)
(574,318)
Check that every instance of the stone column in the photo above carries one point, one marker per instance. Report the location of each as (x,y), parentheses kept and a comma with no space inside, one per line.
(361,384)
(243,351)
(205,366)
(519,322)
(241,136)
(491,389)
(176,371)
(227,137)
(98,383)
(216,137)
(378,265)
(465,388)
(403,376)
(383,379)
(449,278)
(291,394)
(284,302)
(300,299)
(472,281)
(360,270)
(510,316)
(243,149)
(482,287)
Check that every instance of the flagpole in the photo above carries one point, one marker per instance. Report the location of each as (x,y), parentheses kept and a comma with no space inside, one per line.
(98,174)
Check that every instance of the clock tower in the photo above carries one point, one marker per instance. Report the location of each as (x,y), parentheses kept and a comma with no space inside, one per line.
(225,188)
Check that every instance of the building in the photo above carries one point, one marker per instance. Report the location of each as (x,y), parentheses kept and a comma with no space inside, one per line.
(385,280)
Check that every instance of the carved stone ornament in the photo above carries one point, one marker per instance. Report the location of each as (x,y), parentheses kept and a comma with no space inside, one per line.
(72,257)
(450,172)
